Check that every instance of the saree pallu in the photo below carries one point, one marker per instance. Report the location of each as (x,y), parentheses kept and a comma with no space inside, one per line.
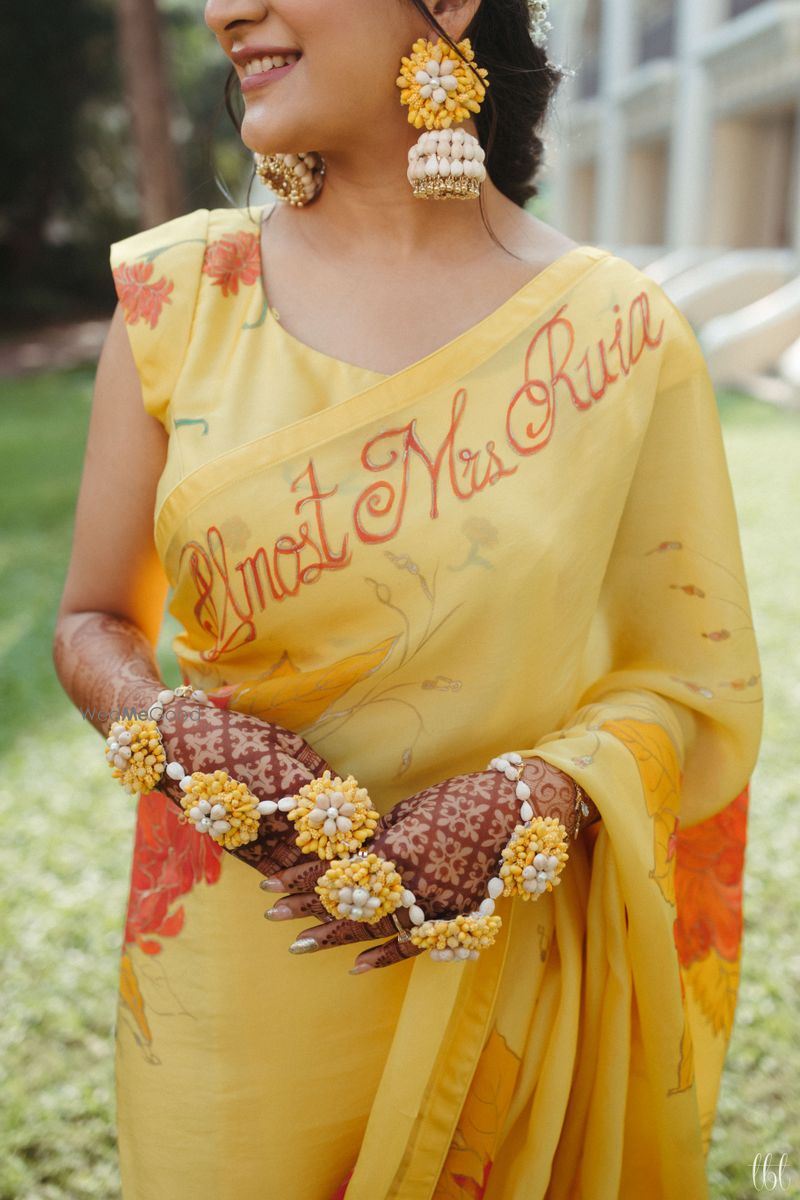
(526,540)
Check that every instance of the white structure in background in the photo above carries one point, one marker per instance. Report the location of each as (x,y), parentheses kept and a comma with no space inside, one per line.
(676,144)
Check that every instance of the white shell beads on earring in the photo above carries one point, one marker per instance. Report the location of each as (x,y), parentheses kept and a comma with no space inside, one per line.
(446,164)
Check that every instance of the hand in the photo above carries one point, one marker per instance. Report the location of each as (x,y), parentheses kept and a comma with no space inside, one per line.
(270,760)
(445,841)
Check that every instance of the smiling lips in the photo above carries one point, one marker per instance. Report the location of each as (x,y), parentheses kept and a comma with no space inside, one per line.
(263,70)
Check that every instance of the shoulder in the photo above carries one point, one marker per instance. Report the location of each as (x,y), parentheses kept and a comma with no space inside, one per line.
(155,267)
(169,281)
(188,229)
(156,274)
(233,249)
(162,267)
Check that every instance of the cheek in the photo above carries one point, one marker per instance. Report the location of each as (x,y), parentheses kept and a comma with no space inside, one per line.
(354,47)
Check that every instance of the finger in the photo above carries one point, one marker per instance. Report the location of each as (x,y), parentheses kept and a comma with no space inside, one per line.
(300,878)
(385,955)
(290,908)
(341,933)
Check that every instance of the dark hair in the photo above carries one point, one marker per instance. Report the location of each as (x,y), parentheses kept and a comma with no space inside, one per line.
(522,84)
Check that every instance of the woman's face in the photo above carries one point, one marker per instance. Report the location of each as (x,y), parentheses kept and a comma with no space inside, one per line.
(342,86)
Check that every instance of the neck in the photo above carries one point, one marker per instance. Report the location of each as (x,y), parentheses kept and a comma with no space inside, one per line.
(367,195)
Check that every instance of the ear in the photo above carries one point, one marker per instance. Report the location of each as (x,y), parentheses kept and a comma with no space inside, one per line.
(454,15)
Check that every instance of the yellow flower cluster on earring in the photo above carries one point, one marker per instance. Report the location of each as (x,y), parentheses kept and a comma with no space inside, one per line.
(333,816)
(441,89)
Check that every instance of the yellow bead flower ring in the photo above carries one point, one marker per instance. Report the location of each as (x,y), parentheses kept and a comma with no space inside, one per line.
(333,817)
(461,938)
(363,888)
(220,806)
(441,90)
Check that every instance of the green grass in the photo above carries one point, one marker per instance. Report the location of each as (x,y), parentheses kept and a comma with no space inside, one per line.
(65,853)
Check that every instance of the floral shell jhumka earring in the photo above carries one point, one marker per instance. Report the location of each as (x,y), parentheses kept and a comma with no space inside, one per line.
(440,89)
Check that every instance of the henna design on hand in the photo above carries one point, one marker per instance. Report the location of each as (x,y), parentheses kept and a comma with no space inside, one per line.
(447,840)
(108,668)
(205,738)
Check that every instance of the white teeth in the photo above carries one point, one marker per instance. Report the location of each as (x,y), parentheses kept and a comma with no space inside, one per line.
(258,65)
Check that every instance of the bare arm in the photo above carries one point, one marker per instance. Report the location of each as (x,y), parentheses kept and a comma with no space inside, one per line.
(113,598)
(111,609)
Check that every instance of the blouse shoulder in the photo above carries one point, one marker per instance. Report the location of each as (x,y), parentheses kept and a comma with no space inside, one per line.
(157,274)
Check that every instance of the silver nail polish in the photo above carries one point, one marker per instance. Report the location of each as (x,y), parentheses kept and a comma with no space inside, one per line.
(304,946)
(279,913)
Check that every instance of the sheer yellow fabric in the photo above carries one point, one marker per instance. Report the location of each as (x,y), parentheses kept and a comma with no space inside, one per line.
(526,540)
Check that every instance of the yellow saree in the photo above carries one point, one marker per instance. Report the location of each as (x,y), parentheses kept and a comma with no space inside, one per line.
(526,540)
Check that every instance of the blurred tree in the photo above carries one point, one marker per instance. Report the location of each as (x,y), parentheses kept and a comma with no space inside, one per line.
(70,183)
(150,107)
(49,62)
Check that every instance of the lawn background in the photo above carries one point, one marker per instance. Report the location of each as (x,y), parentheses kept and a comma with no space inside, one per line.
(68,830)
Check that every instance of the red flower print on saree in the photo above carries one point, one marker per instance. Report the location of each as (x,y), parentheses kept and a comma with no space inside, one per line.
(168,860)
(709,924)
(232,260)
(142,298)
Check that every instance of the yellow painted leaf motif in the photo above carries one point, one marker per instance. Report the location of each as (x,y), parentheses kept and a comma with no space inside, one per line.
(129,991)
(296,698)
(659,769)
(474,1145)
(715,982)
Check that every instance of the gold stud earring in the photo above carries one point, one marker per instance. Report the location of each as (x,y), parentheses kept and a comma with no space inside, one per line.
(441,90)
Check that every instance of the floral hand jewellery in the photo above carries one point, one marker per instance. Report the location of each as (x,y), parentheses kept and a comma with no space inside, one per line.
(367,887)
(333,818)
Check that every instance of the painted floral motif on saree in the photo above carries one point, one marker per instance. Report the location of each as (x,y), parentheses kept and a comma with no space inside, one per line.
(708,928)
(699,871)
(142,297)
(473,1148)
(168,860)
(231,260)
